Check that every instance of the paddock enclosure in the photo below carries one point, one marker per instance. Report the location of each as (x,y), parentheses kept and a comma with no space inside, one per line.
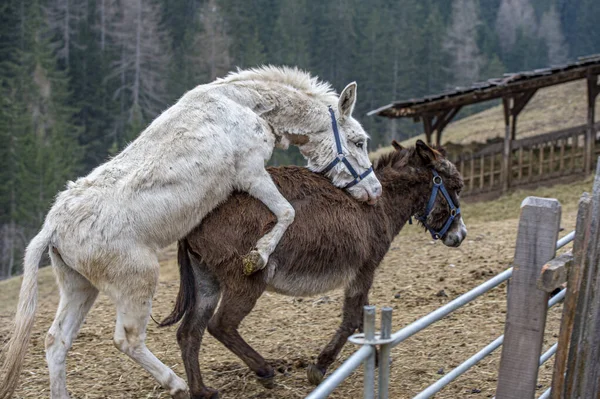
(416,277)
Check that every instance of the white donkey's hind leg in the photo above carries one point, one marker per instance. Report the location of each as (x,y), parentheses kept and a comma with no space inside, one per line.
(133,311)
(264,189)
(77,295)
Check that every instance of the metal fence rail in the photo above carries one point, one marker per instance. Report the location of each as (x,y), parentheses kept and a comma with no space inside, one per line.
(366,353)
(476,358)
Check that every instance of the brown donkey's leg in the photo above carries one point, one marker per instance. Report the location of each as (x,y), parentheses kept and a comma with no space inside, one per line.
(235,304)
(351,321)
(191,330)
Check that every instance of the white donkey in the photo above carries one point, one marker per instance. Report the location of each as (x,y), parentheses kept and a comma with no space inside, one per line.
(105,229)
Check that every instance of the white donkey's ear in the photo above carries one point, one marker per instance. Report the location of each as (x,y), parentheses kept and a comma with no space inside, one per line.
(347,100)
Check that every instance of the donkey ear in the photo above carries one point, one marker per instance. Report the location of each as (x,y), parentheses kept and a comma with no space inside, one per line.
(347,100)
(426,153)
(397,146)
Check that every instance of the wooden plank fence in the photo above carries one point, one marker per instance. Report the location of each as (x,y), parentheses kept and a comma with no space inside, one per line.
(535,159)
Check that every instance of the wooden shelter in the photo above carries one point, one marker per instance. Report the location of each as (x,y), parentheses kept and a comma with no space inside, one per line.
(515,90)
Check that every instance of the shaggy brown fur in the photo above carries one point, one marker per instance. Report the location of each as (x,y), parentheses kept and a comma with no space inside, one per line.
(335,241)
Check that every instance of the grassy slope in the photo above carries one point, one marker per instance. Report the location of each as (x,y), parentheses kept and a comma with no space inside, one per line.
(550,109)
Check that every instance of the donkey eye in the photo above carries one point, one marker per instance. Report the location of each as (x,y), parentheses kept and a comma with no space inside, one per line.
(359,144)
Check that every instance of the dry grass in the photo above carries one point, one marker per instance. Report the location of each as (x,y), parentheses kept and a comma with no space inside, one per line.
(291,332)
(550,109)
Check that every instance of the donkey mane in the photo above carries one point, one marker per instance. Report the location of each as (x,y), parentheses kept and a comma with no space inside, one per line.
(293,77)
(391,158)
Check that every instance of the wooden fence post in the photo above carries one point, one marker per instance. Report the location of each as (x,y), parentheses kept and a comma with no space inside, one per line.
(583,366)
(574,279)
(526,305)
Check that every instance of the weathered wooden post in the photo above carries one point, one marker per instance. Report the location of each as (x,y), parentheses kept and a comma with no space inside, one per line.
(526,305)
(583,365)
(574,279)
(593,89)
(505,175)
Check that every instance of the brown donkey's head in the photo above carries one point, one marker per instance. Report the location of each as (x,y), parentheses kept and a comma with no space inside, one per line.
(421,179)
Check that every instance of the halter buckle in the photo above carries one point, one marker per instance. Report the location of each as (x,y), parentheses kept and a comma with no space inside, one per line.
(437,180)
(453,212)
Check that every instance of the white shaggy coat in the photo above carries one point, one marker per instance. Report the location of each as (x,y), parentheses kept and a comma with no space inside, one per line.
(105,229)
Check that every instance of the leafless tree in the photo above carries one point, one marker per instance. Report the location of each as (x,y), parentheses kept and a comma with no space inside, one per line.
(144,57)
(551,31)
(63,17)
(460,42)
(512,16)
(211,45)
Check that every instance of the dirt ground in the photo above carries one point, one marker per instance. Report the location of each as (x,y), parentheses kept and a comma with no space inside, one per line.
(417,276)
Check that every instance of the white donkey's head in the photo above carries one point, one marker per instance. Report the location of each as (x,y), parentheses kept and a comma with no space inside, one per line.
(339,150)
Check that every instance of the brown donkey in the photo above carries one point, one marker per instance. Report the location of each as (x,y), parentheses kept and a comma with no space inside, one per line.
(334,242)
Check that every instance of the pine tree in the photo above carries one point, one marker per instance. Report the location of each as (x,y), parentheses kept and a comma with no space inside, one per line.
(586,38)
(64,16)
(291,35)
(212,43)
(43,145)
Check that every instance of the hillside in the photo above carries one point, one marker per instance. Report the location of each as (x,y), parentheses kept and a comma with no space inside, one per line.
(550,109)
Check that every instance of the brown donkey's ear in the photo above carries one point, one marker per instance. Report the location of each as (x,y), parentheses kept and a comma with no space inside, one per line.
(397,146)
(426,153)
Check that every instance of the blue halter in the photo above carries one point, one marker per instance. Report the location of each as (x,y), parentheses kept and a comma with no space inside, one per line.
(438,185)
(341,157)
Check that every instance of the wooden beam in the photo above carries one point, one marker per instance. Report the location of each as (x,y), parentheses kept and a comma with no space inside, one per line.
(402,110)
(427,127)
(527,306)
(583,363)
(560,380)
(592,92)
(591,335)
(441,123)
(521,100)
(506,167)
(554,273)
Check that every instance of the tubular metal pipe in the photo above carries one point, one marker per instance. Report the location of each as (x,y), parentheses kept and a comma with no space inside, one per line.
(342,372)
(450,307)
(369,375)
(384,353)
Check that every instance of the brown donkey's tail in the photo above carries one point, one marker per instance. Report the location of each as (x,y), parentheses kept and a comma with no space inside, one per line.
(17,346)
(186,297)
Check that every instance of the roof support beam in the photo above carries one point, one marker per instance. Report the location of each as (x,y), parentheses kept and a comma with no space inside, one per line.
(593,89)
(437,125)
(512,106)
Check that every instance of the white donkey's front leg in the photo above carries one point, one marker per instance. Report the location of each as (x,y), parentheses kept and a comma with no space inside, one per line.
(264,189)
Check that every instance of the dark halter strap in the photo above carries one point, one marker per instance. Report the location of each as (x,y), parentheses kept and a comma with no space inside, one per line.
(341,157)
(438,186)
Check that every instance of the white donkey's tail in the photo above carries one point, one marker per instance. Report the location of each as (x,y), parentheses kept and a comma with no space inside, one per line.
(17,346)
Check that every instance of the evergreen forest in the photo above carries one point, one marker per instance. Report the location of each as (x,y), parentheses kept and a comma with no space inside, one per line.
(79,79)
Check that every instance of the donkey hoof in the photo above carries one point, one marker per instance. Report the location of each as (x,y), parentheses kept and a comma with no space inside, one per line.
(253,262)
(267,382)
(315,374)
(181,395)
(206,393)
